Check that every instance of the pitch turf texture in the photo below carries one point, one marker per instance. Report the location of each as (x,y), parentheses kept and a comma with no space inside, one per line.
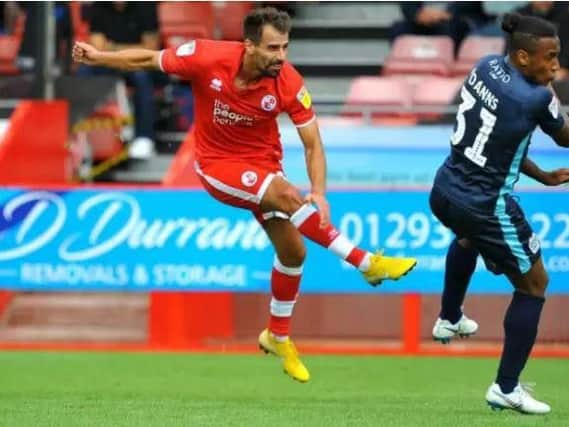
(143,389)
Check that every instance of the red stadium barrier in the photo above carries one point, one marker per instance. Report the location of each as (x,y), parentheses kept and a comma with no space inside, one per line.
(33,150)
(411,321)
(181,172)
(191,322)
(39,128)
(5,298)
(180,319)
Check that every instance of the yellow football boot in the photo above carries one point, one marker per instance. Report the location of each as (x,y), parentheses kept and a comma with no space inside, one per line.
(387,268)
(286,350)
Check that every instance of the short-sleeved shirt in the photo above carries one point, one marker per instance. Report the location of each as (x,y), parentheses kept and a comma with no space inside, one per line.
(499,111)
(126,26)
(233,123)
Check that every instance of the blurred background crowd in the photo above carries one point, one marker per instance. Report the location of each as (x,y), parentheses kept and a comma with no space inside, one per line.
(380,62)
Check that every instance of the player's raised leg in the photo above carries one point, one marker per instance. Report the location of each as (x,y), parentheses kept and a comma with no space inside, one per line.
(520,327)
(460,265)
(281,196)
(285,281)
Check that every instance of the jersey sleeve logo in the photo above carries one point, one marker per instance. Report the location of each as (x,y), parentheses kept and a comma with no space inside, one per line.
(186,49)
(268,103)
(554,107)
(534,244)
(303,97)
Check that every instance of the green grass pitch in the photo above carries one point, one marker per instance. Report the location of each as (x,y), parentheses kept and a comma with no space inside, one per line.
(144,389)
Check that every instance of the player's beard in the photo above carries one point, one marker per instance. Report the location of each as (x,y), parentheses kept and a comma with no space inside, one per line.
(272,72)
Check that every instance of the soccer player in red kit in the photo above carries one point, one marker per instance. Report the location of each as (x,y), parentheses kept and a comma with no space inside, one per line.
(239,89)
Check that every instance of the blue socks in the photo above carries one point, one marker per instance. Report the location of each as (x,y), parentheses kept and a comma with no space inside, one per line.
(520,322)
(520,327)
(460,265)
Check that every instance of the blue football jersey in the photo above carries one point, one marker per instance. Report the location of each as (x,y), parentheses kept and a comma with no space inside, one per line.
(498,112)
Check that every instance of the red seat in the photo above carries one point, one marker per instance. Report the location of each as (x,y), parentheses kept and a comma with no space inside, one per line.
(229,17)
(420,55)
(182,18)
(381,96)
(9,46)
(177,37)
(436,93)
(473,48)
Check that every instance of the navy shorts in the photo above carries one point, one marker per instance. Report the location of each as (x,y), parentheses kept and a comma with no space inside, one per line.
(504,238)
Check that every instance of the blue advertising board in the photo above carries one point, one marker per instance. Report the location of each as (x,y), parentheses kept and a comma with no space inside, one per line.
(158,239)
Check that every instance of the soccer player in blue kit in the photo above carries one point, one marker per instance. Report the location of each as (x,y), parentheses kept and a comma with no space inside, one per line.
(503,100)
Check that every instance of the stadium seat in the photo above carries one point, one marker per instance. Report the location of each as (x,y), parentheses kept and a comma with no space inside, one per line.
(414,80)
(186,20)
(177,37)
(382,97)
(435,92)
(229,17)
(9,47)
(412,54)
(472,49)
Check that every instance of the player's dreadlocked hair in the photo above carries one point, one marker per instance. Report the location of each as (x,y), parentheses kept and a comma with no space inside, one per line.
(258,18)
(525,31)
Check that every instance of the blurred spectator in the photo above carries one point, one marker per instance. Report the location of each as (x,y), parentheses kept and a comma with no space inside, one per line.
(286,6)
(558,14)
(453,19)
(64,35)
(119,25)
(8,12)
(3,26)
(30,45)
(500,8)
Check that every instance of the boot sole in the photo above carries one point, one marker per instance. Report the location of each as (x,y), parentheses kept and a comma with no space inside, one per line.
(395,280)
(497,407)
(267,351)
(449,339)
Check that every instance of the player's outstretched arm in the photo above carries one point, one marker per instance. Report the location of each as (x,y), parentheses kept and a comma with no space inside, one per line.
(127,60)
(316,167)
(556,177)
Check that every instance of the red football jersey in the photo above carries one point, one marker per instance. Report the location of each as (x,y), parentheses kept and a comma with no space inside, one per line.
(230,122)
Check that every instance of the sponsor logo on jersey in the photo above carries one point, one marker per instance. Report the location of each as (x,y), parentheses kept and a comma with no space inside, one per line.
(303,97)
(497,72)
(249,178)
(216,84)
(268,103)
(224,115)
(186,49)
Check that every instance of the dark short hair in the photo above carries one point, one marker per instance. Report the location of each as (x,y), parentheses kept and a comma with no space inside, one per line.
(525,31)
(256,20)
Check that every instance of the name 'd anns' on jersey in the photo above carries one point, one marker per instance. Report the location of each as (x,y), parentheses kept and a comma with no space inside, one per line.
(485,95)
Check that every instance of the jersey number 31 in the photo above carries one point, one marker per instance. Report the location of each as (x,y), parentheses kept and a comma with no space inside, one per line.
(476,150)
